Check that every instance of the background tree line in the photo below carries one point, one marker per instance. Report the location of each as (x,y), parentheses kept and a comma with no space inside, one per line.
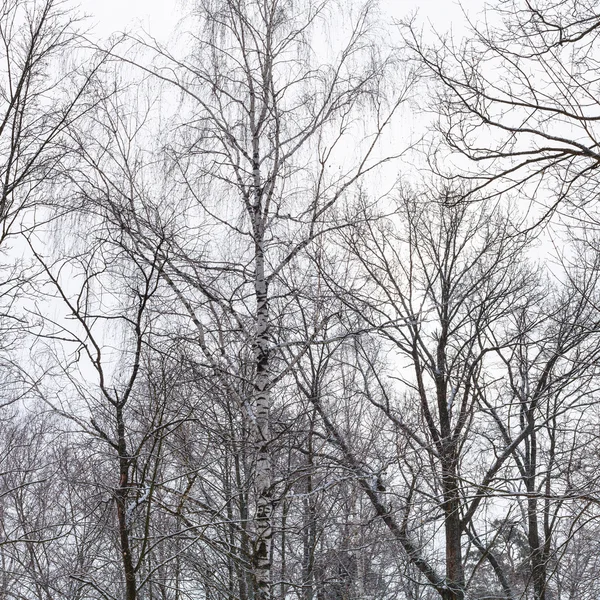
(259,342)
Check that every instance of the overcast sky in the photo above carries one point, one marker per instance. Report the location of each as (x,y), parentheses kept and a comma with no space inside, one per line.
(158,17)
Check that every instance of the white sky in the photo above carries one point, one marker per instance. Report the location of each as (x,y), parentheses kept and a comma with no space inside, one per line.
(159,17)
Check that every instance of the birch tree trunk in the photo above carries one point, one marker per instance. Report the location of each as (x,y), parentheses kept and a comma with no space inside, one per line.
(261,558)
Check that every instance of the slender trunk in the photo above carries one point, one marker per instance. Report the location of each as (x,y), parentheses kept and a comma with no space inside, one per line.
(284,515)
(538,567)
(122,495)
(455,576)
(309,533)
(262,406)
(538,564)
(232,568)
(244,577)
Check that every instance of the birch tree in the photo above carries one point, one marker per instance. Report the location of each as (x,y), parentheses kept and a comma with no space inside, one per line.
(267,381)
(262,155)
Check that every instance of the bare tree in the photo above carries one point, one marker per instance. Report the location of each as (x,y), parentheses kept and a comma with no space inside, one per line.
(265,379)
(516,98)
(39,97)
(445,284)
(41,93)
(260,154)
